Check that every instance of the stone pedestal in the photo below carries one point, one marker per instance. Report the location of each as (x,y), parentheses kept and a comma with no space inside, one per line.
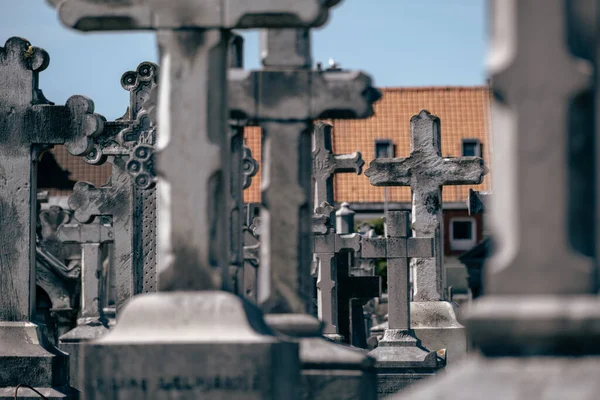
(330,371)
(87,329)
(436,325)
(26,357)
(540,378)
(191,345)
(401,361)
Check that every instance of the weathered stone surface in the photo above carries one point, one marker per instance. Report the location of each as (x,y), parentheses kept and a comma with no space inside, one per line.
(326,165)
(93,15)
(328,288)
(91,323)
(425,171)
(329,370)
(213,345)
(275,99)
(536,327)
(540,378)
(400,353)
(129,198)
(29,123)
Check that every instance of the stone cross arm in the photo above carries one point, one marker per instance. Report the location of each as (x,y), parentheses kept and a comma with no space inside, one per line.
(93,15)
(300,95)
(409,171)
(425,168)
(85,233)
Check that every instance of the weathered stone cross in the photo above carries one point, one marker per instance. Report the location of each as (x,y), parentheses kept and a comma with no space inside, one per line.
(193,165)
(130,196)
(329,289)
(426,172)
(326,165)
(28,124)
(90,237)
(284,99)
(400,352)
(94,290)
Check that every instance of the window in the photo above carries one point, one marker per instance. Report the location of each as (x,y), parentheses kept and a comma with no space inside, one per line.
(463,233)
(384,148)
(471,147)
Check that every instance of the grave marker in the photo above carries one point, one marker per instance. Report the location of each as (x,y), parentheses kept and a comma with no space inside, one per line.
(91,323)
(426,172)
(401,360)
(284,98)
(129,198)
(246,361)
(536,327)
(28,124)
(326,165)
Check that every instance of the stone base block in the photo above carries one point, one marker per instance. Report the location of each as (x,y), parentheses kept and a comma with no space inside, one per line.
(72,343)
(390,384)
(206,345)
(27,357)
(401,361)
(436,324)
(330,371)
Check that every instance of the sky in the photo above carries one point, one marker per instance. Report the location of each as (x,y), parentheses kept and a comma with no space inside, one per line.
(398,42)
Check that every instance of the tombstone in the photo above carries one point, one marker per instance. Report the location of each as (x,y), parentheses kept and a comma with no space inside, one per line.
(284,99)
(28,124)
(129,198)
(401,359)
(536,326)
(426,172)
(176,328)
(91,323)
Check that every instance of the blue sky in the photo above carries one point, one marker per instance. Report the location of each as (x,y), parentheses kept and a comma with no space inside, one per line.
(398,42)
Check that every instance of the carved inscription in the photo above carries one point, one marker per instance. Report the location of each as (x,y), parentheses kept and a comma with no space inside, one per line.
(177,384)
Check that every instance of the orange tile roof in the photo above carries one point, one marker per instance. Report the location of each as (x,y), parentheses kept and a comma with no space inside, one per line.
(79,169)
(464,112)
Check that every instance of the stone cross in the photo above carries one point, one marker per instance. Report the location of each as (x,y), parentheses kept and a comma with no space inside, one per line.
(326,165)
(426,172)
(90,237)
(193,166)
(538,317)
(130,196)
(397,247)
(29,124)
(325,248)
(400,356)
(284,99)
(91,323)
